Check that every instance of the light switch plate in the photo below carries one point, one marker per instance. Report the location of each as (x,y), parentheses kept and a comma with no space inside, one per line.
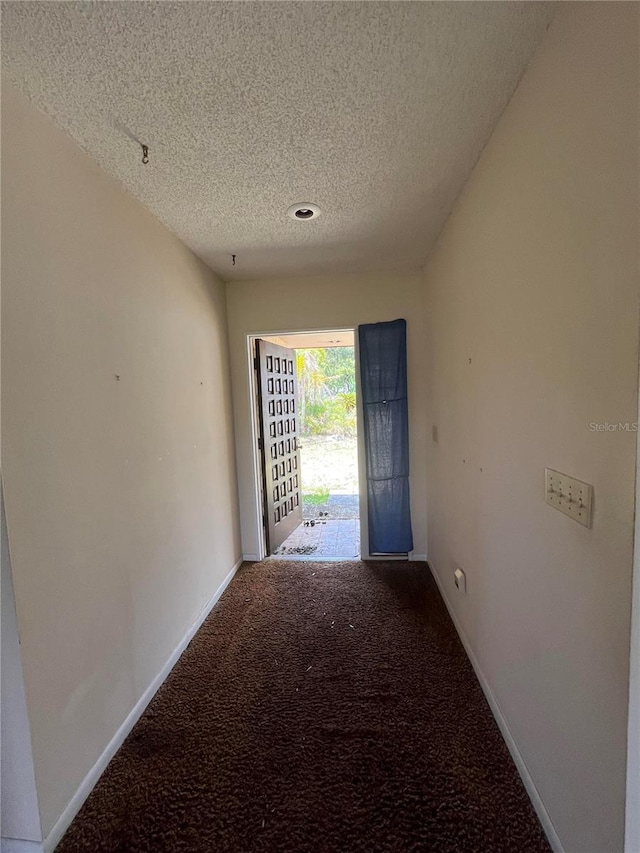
(572,497)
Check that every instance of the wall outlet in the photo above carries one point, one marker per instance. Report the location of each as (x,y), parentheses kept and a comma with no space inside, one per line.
(460,580)
(570,496)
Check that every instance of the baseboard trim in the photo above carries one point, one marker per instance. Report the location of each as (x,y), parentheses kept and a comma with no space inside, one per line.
(518,760)
(90,780)
(19,845)
(251,558)
(418,558)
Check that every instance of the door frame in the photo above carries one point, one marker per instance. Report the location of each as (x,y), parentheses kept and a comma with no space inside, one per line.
(255,431)
(632,810)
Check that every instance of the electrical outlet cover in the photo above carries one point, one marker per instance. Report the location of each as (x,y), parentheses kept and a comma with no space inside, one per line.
(460,580)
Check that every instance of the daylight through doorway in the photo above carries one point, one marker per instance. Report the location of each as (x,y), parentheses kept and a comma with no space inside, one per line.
(326,409)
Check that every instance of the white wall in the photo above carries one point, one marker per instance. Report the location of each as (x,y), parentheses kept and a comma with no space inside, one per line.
(332,302)
(532,296)
(120,494)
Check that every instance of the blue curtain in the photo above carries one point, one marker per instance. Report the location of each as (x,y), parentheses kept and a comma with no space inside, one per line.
(383,374)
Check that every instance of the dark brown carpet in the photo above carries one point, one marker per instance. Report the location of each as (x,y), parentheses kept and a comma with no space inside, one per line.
(321,707)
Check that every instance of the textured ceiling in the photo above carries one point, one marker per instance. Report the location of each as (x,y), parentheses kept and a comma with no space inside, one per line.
(376,111)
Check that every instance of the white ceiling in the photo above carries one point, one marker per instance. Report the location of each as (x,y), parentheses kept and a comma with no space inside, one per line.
(375,111)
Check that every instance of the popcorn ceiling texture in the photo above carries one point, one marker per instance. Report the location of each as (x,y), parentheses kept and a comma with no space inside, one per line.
(375,111)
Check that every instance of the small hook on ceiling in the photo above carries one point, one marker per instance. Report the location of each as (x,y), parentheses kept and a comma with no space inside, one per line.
(145,153)
(233,260)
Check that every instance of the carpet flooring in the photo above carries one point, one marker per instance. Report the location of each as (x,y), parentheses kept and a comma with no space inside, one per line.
(321,708)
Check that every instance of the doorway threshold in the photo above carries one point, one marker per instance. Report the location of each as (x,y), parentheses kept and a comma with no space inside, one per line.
(323,539)
(313,558)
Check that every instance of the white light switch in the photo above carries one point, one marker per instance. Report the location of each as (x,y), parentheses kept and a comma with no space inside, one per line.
(570,496)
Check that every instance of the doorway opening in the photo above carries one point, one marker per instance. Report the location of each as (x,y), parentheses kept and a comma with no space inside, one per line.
(321,502)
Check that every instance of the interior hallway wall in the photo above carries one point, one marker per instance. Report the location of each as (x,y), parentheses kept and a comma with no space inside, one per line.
(532,298)
(332,302)
(118,457)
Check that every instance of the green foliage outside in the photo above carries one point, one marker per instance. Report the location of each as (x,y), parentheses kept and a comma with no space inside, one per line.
(316,496)
(327,391)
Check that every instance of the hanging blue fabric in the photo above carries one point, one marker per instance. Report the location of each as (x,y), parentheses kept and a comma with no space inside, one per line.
(383,375)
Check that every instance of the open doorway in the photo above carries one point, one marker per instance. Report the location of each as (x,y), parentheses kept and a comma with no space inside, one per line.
(308,443)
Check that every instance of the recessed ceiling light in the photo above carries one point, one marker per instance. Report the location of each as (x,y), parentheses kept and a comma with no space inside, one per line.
(304,211)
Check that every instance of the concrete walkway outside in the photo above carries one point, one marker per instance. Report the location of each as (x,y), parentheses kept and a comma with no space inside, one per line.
(329,530)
